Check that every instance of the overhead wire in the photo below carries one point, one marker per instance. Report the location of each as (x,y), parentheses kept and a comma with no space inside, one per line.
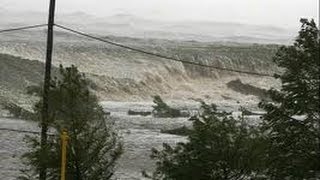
(22,28)
(23,131)
(158,55)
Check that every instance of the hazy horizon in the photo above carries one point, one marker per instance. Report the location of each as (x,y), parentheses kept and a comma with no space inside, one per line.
(284,14)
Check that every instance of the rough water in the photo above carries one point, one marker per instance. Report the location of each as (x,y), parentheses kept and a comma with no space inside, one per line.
(139,134)
(123,75)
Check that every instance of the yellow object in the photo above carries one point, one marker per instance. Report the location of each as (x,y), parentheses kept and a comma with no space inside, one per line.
(64,142)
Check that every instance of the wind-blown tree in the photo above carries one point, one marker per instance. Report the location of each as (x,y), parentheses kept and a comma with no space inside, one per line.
(292,120)
(218,147)
(93,146)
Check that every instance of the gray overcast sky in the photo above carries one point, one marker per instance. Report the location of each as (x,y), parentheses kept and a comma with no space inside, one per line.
(284,13)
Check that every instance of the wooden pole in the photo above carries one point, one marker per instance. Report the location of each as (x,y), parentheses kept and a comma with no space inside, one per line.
(64,142)
(46,86)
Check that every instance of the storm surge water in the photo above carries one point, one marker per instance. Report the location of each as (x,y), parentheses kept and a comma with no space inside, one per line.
(125,80)
(139,134)
(121,74)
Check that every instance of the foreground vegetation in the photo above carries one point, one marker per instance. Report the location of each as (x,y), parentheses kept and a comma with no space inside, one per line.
(285,146)
(292,122)
(93,147)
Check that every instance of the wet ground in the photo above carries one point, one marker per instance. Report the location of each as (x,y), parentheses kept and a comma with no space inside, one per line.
(139,135)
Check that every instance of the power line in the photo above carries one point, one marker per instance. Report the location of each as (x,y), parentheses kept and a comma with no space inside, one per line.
(159,55)
(20,131)
(22,28)
(23,131)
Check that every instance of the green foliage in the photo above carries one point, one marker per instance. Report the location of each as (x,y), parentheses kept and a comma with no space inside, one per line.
(286,146)
(93,147)
(292,119)
(218,147)
(161,109)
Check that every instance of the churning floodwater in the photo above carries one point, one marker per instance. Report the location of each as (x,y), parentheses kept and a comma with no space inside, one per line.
(138,133)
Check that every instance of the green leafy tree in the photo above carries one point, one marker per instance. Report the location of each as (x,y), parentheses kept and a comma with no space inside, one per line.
(93,146)
(218,147)
(292,120)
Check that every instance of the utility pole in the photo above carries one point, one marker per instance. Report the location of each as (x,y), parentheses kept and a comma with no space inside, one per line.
(46,86)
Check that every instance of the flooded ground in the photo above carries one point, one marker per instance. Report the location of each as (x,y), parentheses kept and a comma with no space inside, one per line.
(139,134)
